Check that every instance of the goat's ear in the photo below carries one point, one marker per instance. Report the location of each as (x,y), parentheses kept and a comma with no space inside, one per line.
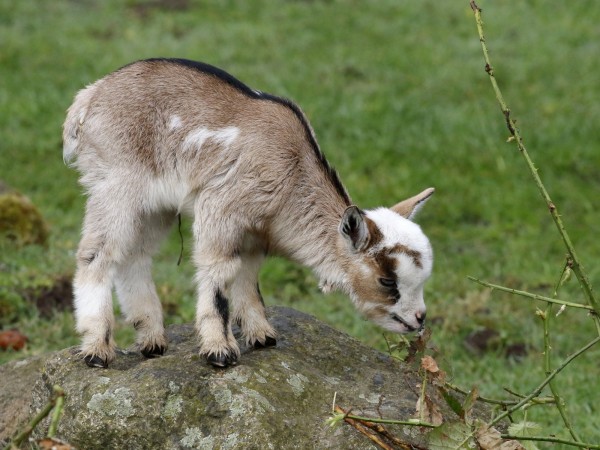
(410,207)
(354,229)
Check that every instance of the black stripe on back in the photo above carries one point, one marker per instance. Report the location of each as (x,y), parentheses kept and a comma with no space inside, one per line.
(237,84)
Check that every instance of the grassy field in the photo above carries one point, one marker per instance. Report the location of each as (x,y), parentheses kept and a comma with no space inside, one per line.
(399,100)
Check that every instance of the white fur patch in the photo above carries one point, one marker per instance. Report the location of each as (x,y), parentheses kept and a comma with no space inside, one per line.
(93,305)
(175,123)
(224,136)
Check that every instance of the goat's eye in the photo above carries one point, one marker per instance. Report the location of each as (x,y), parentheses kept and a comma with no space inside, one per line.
(387,282)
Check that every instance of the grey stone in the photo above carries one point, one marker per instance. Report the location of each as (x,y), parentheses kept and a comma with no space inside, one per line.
(275,398)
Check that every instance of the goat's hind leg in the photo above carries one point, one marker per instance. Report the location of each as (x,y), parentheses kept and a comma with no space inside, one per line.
(136,290)
(106,232)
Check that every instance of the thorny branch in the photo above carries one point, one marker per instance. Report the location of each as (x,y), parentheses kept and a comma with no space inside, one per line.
(573,262)
(515,133)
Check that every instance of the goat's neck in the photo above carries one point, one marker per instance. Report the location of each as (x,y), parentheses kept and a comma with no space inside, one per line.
(312,237)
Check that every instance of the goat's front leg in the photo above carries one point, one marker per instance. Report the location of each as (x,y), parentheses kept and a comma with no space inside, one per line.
(213,318)
(248,305)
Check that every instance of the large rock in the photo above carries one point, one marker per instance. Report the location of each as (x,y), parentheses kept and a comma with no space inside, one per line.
(17,379)
(277,398)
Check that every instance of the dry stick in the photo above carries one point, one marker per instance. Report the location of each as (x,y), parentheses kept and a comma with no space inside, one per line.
(532,296)
(368,422)
(512,128)
(414,422)
(364,430)
(543,384)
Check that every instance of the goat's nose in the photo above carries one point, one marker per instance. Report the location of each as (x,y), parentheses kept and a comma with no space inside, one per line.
(421,317)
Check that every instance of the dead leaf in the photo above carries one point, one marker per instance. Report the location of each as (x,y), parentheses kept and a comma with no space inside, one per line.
(12,339)
(427,411)
(418,345)
(490,439)
(54,444)
(429,364)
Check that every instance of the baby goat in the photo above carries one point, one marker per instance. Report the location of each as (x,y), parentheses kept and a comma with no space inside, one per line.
(166,136)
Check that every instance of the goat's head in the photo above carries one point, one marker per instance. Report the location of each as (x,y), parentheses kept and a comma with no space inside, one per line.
(390,261)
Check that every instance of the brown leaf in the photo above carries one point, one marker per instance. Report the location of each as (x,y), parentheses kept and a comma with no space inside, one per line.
(428,411)
(54,444)
(12,339)
(418,345)
(490,439)
(429,364)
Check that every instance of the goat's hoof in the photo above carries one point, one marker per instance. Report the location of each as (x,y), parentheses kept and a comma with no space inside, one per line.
(221,360)
(269,342)
(95,361)
(154,351)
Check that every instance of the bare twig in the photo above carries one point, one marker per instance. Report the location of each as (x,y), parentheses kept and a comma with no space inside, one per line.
(551,439)
(491,401)
(532,296)
(543,384)
(547,363)
(514,131)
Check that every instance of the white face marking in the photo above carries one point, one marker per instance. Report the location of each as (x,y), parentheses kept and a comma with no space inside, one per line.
(411,275)
(196,139)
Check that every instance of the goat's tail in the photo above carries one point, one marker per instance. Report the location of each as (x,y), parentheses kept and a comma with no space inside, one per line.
(73,126)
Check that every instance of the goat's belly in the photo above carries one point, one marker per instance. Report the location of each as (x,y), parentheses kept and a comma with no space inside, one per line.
(165,193)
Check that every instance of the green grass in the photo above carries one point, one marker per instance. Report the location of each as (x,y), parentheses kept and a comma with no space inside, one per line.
(399,100)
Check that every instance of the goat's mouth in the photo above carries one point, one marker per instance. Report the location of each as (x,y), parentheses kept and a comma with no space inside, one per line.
(399,319)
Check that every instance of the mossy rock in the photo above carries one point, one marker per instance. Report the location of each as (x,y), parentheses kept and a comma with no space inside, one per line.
(20,221)
(276,398)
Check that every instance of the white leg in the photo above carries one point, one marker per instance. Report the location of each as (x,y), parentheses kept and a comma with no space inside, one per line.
(136,291)
(141,305)
(106,233)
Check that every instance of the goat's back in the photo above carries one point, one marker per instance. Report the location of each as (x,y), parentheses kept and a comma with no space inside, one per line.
(177,119)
